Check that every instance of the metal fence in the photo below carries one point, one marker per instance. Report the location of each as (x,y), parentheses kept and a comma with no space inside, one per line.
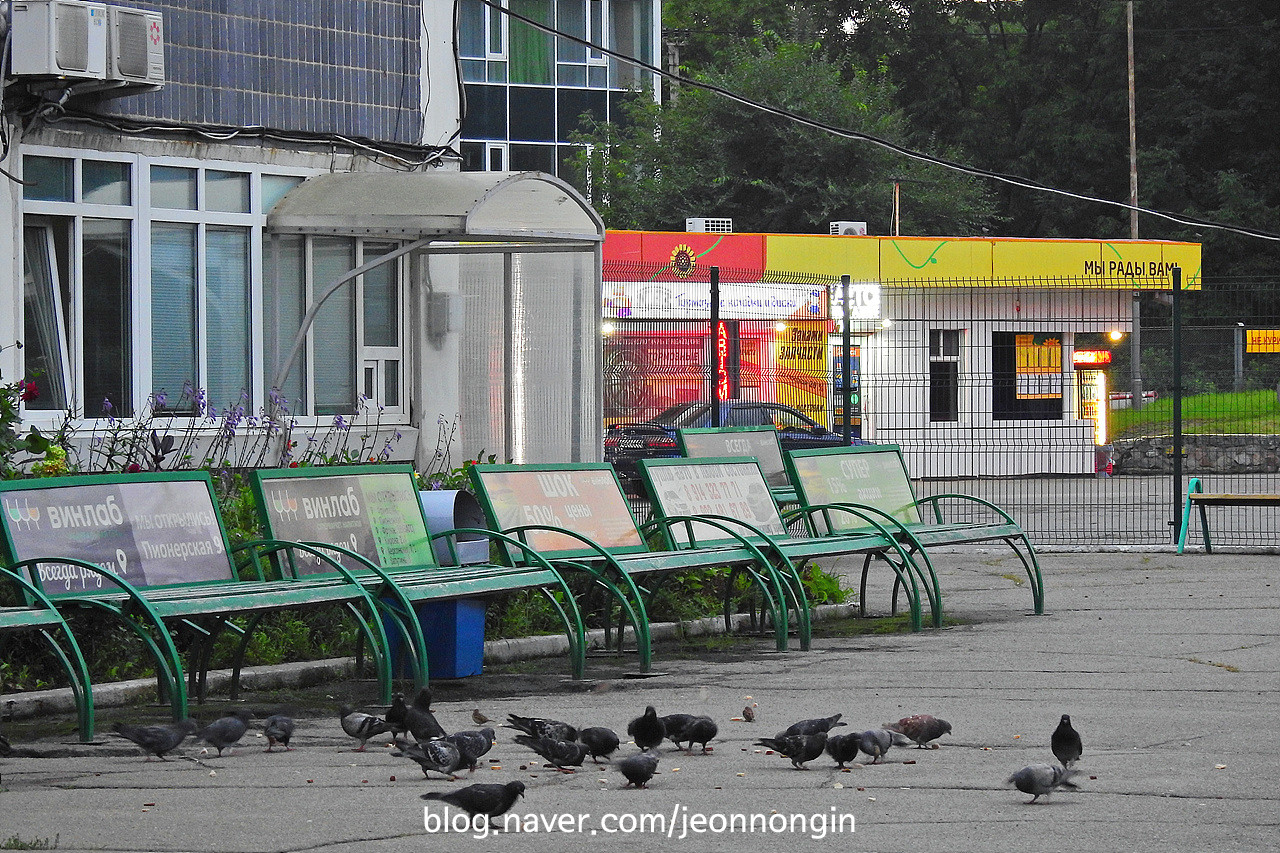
(1022,393)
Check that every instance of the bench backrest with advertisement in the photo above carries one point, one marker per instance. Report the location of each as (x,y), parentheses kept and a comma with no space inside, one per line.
(734,492)
(369,519)
(760,442)
(874,477)
(150,549)
(577,516)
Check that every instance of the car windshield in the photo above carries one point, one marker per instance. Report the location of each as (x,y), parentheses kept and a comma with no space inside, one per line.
(681,414)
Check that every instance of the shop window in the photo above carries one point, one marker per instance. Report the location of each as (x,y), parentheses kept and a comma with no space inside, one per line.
(1026,376)
(944,375)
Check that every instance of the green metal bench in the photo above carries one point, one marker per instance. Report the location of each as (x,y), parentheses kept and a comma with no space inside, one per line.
(369,520)
(697,500)
(577,516)
(874,478)
(759,442)
(39,614)
(1197,497)
(150,550)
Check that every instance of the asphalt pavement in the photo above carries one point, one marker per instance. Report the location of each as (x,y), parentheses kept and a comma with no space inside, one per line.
(1167,665)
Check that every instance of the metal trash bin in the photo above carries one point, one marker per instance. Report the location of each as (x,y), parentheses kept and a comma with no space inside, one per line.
(447,509)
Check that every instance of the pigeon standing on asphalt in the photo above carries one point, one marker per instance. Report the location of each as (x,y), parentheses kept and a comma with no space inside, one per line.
(600,742)
(812,727)
(419,720)
(279,730)
(876,742)
(699,730)
(638,769)
(439,755)
(541,727)
(397,715)
(154,740)
(799,748)
(1040,779)
(1065,742)
(647,730)
(481,720)
(227,730)
(843,748)
(675,725)
(921,728)
(362,726)
(472,745)
(491,800)
(561,754)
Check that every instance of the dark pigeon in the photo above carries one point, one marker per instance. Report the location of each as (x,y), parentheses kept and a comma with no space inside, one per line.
(600,742)
(472,745)
(488,799)
(397,715)
(698,730)
(876,742)
(439,755)
(278,729)
(1040,779)
(540,727)
(921,728)
(419,720)
(647,730)
(843,748)
(675,725)
(1065,742)
(812,727)
(560,753)
(638,769)
(154,740)
(362,726)
(227,730)
(799,748)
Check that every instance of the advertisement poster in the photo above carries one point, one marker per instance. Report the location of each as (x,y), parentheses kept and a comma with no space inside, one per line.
(733,489)
(1038,366)
(802,379)
(586,501)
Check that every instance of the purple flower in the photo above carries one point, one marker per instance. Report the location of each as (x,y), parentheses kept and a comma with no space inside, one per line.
(161,399)
(340,423)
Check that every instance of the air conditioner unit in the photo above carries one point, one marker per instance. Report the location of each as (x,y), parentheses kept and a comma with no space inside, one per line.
(849,229)
(135,45)
(59,38)
(717,226)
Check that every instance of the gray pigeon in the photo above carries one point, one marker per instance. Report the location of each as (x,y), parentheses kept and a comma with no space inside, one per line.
(1040,779)
(155,740)
(1065,742)
(397,715)
(560,753)
(921,728)
(419,720)
(439,755)
(362,726)
(472,745)
(541,727)
(278,729)
(227,730)
(638,769)
(799,748)
(876,742)
(647,730)
(600,742)
(812,727)
(698,730)
(491,800)
(843,748)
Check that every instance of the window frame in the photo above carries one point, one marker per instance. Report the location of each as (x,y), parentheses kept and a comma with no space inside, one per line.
(944,359)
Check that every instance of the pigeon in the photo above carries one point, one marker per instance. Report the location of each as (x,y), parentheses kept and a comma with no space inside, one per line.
(472,745)
(560,753)
(749,713)
(675,725)
(1038,779)
(227,730)
(647,730)
(397,715)
(419,720)
(812,727)
(539,727)
(599,741)
(439,755)
(279,730)
(362,726)
(843,748)
(491,800)
(155,740)
(481,720)
(876,742)
(921,728)
(697,730)
(799,748)
(639,768)
(1065,742)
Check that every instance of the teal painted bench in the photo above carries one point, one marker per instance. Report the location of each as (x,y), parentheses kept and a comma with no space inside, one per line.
(874,478)
(369,520)
(1198,498)
(577,516)
(150,550)
(759,442)
(39,614)
(699,501)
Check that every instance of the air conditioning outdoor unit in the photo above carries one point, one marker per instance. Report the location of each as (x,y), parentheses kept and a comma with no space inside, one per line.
(717,226)
(59,38)
(849,229)
(135,45)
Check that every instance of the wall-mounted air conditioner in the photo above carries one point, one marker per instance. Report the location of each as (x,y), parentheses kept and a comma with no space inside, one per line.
(849,229)
(135,45)
(59,38)
(705,224)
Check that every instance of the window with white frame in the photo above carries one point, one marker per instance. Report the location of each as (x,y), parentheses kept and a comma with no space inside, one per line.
(944,375)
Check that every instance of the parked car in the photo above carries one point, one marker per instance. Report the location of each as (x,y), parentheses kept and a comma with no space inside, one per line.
(625,444)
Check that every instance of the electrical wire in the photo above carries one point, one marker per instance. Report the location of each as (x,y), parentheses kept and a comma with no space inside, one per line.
(910,153)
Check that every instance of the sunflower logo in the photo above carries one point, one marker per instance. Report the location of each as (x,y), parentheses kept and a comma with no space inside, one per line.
(683,260)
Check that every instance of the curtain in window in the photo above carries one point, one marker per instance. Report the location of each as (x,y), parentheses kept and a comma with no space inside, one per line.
(173,313)
(227,314)
(334,330)
(43,331)
(108,360)
(631,26)
(532,57)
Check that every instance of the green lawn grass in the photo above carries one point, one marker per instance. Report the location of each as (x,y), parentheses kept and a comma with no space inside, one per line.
(1244,413)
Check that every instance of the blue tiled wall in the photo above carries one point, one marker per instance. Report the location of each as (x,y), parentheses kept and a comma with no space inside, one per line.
(348,67)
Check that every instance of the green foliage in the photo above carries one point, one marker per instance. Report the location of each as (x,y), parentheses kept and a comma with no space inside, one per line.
(15,842)
(12,442)
(822,587)
(1247,412)
(521,613)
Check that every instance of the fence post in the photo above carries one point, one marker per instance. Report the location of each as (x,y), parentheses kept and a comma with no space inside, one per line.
(715,340)
(1177,403)
(846,365)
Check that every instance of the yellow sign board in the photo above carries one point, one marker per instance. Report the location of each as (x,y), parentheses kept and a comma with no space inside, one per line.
(1262,340)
